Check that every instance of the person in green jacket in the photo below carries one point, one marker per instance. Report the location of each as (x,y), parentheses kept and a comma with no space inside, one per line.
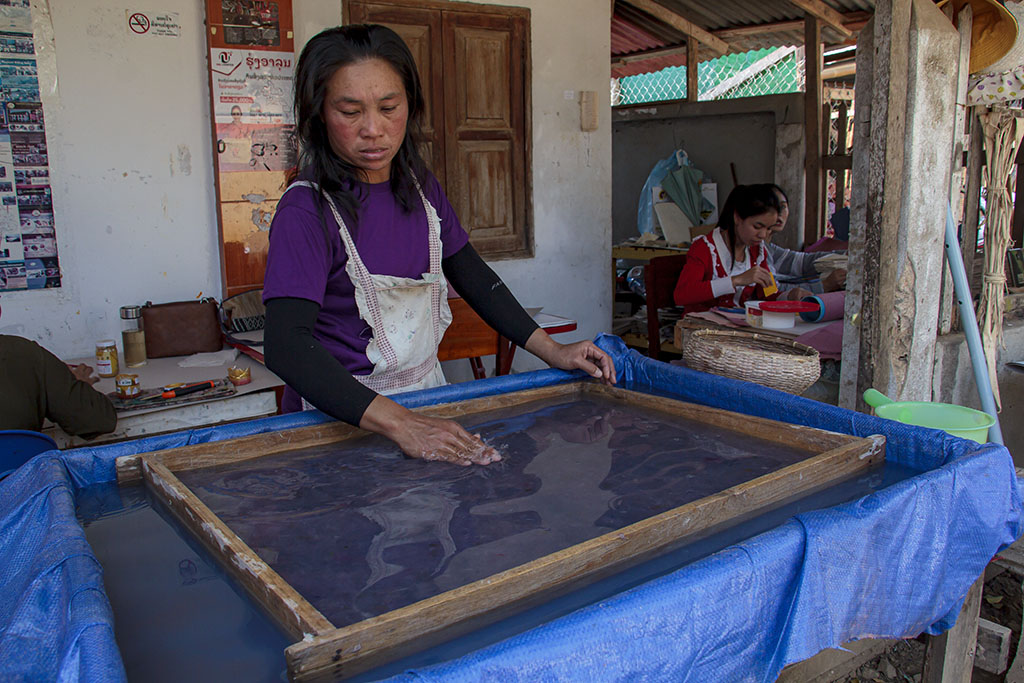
(35,384)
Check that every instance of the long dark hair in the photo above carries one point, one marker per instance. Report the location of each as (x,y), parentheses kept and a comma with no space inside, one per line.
(746,201)
(323,55)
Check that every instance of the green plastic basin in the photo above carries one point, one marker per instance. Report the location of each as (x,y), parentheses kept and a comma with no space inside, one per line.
(966,423)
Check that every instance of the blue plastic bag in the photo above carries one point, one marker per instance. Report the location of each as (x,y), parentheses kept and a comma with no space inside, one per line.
(645,208)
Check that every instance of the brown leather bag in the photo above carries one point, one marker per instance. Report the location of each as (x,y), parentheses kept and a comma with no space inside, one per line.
(181,328)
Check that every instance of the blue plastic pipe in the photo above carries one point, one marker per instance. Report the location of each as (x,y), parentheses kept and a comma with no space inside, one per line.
(970,324)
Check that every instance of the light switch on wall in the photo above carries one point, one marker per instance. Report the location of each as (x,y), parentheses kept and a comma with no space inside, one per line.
(588,110)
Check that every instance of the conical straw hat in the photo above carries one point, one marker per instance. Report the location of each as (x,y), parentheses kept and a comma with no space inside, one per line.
(993,32)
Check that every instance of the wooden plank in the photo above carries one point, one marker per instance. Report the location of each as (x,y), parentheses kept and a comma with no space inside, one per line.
(668,51)
(362,646)
(854,21)
(949,658)
(972,200)
(681,24)
(993,650)
(258,445)
(870,346)
(833,93)
(839,70)
(841,148)
(642,253)
(812,129)
(247,220)
(820,10)
(256,186)
(692,66)
(285,605)
(1015,674)
(957,176)
(808,439)
(834,664)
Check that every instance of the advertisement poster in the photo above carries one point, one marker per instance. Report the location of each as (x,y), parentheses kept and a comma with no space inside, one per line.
(252,93)
(252,67)
(28,241)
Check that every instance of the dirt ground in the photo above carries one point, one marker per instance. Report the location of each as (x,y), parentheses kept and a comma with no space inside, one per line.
(904,662)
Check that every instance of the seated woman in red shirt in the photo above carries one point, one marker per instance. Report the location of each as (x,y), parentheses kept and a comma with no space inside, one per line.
(730,264)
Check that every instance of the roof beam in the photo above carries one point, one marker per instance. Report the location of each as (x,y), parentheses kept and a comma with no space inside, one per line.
(668,51)
(682,25)
(852,21)
(819,9)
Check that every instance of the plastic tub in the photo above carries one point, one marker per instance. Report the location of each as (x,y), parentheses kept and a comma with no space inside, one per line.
(967,423)
(776,315)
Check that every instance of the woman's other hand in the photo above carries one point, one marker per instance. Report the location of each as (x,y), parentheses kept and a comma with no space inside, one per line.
(755,276)
(835,280)
(424,437)
(582,355)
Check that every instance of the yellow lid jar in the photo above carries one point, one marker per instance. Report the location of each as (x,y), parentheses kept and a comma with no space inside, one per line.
(106,358)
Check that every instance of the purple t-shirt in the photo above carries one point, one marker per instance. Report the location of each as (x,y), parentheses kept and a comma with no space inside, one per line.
(390,242)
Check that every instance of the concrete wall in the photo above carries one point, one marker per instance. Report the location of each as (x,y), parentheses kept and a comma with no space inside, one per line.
(761,136)
(130,152)
(953,381)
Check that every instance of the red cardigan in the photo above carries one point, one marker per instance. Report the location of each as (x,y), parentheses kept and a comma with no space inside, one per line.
(704,264)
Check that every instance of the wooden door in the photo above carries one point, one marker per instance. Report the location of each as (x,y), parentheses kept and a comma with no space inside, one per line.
(485,128)
(474,63)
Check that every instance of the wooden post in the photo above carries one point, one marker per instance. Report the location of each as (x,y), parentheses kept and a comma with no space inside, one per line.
(1017,226)
(841,150)
(881,96)
(812,125)
(972,202)
(960,142)
(949,658)
(897,223)
(692,84)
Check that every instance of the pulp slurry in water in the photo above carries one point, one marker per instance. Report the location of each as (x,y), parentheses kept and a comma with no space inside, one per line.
(360,530)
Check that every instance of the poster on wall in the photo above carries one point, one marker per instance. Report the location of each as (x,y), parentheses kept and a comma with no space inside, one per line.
(28,241)
(251,70)
(252,109)
(252,65)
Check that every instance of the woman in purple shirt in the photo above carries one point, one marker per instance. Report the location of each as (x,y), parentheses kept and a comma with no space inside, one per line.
(362,247)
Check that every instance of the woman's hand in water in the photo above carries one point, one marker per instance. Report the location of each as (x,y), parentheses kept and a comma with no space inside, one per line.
(426,438)
(755,276)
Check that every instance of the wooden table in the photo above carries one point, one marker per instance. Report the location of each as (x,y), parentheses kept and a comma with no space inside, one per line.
(468,336)
(259,398)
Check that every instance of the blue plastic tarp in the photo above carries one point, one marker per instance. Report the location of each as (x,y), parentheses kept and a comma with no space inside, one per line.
(892,564)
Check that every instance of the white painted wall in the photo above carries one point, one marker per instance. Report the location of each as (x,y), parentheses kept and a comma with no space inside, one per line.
(130,154)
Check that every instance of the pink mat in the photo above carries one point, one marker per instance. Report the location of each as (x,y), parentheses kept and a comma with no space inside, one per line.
(828,340)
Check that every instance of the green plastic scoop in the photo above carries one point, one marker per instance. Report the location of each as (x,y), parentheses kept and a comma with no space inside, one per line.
(966,423)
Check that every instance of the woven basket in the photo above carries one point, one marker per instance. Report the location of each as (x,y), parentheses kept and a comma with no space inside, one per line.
(772,361)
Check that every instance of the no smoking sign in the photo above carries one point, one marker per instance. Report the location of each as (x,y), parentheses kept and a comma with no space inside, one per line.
(153,23)
(138,23)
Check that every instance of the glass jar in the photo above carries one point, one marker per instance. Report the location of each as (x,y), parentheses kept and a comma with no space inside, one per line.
(106,358)
(133,337)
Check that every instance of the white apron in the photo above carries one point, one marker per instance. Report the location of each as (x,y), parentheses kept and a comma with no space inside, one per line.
(407,316)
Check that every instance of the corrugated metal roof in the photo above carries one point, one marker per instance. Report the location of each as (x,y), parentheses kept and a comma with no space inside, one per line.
(634,31)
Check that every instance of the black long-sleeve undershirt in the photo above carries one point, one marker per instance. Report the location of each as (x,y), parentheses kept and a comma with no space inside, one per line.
(293,353)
